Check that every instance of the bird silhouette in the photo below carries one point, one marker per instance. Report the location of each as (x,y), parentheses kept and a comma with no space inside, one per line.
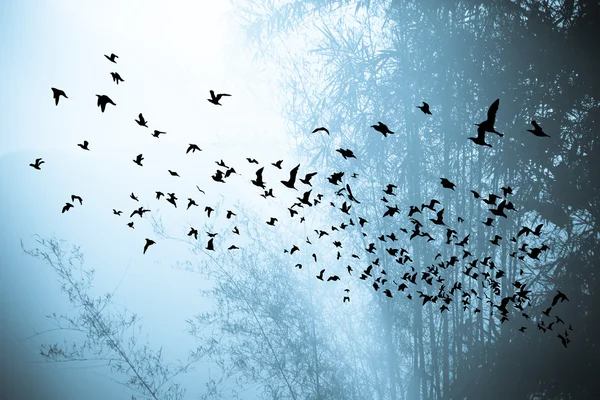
(537,131)
(208,210)
(381,127)
(130,224)
(272,221)
(118,213)
(172,199)
(488,124)
(210,245)
(56,93)
(480,138)
(192,147)
(112,57)
(84,145)
(140,211)
(116,77)
(78,198)
(141,121)
(560,296)
(149,242)
(390,190)
(157,133)
(193,232)
(447,184)
(321,129)
(173,173)
(158,194)
(103,100)
(138,160)
(439,220)
(37,164)
(215,98)
(252,160)
(277,164)
(320,276)
(425,108)
(307,178)
(67,207)
(290,182)
(259,180)
(346,153)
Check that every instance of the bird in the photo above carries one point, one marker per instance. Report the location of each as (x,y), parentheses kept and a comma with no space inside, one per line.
(496,240)
(321,129)
(192,147)
(130,224)
(140,211)
(447,184)
(305,198)
(173,173)
(390,190)
(103,100)
(118,213)
(346,153)
(56,93)
(230,214)
(78,198)
(208,210)
(277,164)
(425,108)
(138,160)
(259,180)
(158,194)
(489,222)
(320,276)
(193,232)
(480,138)
(307,178)
(141,121)
(191,202)
(149,242)
(440,218)
(67,207)
(84,146)
(537,131)
(112,57)
(290,182)
(157,133)
(381,127)
(488,124)
(506,190)
(272,221)
(233,247)
(37,164)
(560,296)
(215,98)
(252,160)
(133,196)
(210,245)
(116,77)
(218,176)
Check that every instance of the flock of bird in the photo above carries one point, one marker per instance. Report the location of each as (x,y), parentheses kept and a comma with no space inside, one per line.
(430,284)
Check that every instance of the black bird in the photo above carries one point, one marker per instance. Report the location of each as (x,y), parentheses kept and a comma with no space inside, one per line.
(103,100)
(350,195)
(307,178)
(221,164)
(320,276)
(496,240)
(381,127)
(259,180)
(447,184)
(67,207)
(133,196)
(191,202)
(229,172)
(218,176)
(489,222)
(130,224)
(390,190)
(272,221)
(305,198)
(192,147)
(488,124)
(158,194)
(233,247)
(425,108)
(117,212)
(211,235)
(208,210)
(268,193)
(321,129)
(112,57)
(141,121)
(193,232)
(559,297)
(116,77)
(480,138)
(431,205)
(173,173)
(562,339)
(210,245)
(346,153)
(215,98)
(230,214)
(506,190)
(140,211)
(200,190)
(84,145)
(138,160)
(475,194)
(252,160)
(149,242)
(56,93)
(440,218)
(391,211)
(158,133)
(335,178)
(277,164)
(172,199)
(78,198)
(290,182)
(537,131)
(37,164)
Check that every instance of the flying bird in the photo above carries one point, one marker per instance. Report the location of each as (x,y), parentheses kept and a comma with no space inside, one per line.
(215,98)
(192,147)
(277,164)
(117,212)
(84,146)
(116,77)
(447,184)
(149,242)
(103,100)
(133,196)
(425,108)
(78,198)
(488,124)
(67,207)
(173,173)
(112,57)
(138,160)
(259,180)
(381,127)
(480,138)
(537,131)
(56,93)
(157,133)
(141,121)
(307,178)
(290,182)
(37,164)
(321,129)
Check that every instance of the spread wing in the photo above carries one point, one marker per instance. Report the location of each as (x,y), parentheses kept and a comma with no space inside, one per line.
(492,111)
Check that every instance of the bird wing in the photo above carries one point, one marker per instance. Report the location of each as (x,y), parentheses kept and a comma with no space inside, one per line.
(212,95)
(492,111)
